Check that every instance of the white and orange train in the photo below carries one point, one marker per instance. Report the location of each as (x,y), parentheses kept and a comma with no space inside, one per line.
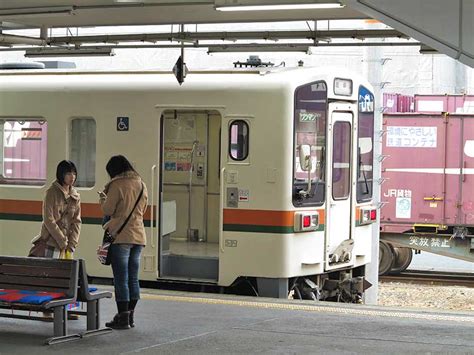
(257,175)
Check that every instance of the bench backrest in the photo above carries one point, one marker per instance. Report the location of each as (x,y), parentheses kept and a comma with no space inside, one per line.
(83,289)
(39,274)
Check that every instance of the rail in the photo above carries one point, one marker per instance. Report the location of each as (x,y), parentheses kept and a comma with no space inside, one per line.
(432,277)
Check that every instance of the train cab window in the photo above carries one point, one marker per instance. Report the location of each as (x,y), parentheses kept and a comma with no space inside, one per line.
(341,165)
(239,140)
(309,145)
(82,150)
(365,148)
(23,154)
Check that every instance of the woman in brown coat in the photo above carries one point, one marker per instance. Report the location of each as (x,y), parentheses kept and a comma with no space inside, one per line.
(125,195)
(61,216)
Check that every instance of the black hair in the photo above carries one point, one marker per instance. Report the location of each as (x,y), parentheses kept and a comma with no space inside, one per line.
(118,164)
(64,167)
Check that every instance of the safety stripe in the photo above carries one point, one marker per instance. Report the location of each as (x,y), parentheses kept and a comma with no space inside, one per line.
(297,306)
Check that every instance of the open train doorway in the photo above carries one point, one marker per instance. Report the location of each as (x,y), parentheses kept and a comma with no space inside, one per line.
(190,195)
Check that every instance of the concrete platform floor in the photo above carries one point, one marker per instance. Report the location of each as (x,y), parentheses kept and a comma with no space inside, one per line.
(183,323)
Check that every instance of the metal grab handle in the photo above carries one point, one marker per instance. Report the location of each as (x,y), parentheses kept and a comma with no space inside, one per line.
(221,212)
(152,208)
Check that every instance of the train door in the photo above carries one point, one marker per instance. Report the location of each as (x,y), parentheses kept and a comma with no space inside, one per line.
(339,195)
(190,195)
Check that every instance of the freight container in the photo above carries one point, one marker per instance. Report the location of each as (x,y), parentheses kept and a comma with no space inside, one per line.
(398,103)
(444,103)
(428,183)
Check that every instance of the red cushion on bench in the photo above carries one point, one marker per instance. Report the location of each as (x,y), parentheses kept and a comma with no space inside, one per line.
(28,297)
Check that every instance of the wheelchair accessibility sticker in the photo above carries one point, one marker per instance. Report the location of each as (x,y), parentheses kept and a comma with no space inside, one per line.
(122,124)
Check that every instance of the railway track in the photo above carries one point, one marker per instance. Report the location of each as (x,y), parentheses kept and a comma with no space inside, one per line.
(432,277)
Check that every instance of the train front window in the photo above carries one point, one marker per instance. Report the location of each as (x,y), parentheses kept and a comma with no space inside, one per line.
(365,148)
(23,154)
(341,165)
(309,144)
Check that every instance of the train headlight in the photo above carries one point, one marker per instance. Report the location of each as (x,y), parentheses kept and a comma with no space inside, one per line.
(306,221)
(342,87)
(367,215)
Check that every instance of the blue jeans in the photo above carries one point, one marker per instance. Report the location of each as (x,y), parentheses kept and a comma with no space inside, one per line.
(125,266)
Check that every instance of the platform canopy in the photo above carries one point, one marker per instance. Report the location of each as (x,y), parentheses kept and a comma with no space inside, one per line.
(423,20)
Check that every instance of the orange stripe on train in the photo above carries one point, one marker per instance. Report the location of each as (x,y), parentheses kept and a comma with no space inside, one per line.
(263,217)
(88,210)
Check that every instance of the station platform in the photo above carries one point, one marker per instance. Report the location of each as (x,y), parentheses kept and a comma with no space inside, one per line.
(169,322)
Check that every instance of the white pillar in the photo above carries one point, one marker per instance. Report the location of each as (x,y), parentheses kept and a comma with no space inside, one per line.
(372,70)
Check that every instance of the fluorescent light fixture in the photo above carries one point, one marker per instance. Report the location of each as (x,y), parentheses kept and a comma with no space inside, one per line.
(50,11)
(164,2)
(69,52)
(297,6)
(258,48)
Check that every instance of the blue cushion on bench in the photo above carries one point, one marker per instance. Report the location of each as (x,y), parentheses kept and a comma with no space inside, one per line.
(92,289)
(28,297)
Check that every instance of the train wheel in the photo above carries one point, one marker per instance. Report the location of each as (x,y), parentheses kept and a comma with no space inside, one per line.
(403,257)
(386,257)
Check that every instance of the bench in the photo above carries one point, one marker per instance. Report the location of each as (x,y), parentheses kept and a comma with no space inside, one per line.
(39,285)
(91,298)
(64,281)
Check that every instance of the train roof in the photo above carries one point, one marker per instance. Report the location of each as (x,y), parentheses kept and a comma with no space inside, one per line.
(242,79)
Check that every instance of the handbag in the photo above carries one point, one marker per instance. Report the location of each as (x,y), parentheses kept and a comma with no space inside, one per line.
(38,249)
(103,252)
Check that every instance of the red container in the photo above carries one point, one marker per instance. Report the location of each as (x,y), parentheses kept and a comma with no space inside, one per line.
(429,171)
(398,103)
(406,103)
(444,103)
(390,102)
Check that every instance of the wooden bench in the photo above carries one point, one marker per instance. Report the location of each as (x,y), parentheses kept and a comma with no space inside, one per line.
(41,275)
(91,297)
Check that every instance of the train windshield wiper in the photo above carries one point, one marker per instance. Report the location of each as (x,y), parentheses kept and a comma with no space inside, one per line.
(363,174)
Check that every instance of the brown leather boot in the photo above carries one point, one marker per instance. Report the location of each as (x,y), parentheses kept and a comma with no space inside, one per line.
(120,321)
(131,321)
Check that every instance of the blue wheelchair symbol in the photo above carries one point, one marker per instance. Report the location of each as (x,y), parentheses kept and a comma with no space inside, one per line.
(122,124)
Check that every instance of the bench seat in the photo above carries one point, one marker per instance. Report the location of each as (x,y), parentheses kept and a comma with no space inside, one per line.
(28,297)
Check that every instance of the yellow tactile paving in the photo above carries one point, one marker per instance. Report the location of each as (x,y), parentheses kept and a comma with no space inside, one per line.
(311,308)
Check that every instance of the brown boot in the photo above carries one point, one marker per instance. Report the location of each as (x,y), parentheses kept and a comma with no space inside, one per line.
(120,321)
(131,321)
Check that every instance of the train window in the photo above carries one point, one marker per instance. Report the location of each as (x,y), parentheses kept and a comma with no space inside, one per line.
(310,134)
(239,140)
(82,150)
(365,148)
(341,162)
(23,154)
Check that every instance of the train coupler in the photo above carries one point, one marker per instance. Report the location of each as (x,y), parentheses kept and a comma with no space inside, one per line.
(349,290)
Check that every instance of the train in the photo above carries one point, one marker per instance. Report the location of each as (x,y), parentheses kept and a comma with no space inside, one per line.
(262,175)
(427,173)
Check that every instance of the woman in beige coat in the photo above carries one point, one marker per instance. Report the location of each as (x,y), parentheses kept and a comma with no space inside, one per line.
(61,216)
(125,195)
